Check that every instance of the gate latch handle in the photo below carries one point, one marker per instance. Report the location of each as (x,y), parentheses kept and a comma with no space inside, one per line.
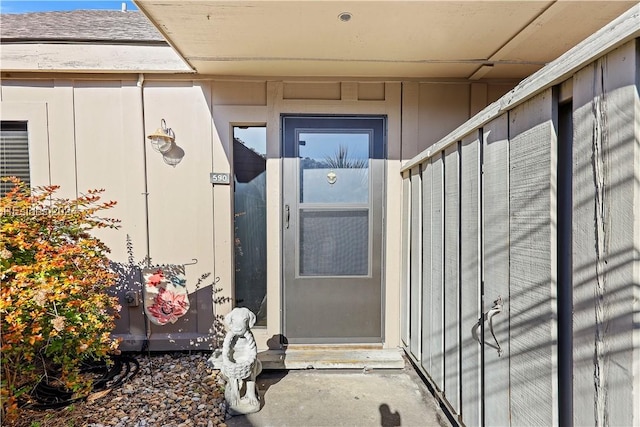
(496,309)
(286,216)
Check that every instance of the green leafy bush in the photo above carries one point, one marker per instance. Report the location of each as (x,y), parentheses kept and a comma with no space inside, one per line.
(54,309)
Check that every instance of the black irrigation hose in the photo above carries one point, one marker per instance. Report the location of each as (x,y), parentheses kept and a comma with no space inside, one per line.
(47,396)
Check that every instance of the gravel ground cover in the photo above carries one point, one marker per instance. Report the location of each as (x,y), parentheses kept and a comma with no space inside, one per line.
(170,390)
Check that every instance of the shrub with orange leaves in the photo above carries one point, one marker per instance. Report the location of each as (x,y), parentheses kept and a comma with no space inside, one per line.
(54,308)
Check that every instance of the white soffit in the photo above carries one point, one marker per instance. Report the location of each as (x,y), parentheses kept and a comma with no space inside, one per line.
(405,39)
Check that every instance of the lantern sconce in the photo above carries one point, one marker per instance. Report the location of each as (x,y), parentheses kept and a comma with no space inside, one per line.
(163,140)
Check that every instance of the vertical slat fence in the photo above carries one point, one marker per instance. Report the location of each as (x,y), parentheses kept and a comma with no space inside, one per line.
(452,276)
(606,241)
(484,255)
(470,277)
(495,265)
(532,261)
(416,254)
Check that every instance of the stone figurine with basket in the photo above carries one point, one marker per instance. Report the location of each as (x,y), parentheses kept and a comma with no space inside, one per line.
(239,362)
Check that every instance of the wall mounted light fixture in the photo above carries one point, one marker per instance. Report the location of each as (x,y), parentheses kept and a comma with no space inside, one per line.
(163,140)
(174,155)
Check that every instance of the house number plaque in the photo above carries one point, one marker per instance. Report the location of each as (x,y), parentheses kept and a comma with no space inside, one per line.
(220,178)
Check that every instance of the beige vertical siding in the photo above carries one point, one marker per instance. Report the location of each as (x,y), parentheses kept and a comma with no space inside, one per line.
(36,115)
(181,203)
(442,108)
(91,133)
(108,154)
(82,139)
(393,218)
(430,110)
(57,126)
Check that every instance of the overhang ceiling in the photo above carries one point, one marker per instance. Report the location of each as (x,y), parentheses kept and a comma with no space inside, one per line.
(382,39)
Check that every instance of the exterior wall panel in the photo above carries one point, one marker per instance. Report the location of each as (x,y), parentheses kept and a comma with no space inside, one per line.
(606,241)
(406,262)
(182,208)
(393,212)
(241,93)
(109,138)
(470,277)
(495,268)
(437,272)
(452,276)
(432,110)
(427,256)
(416,263)
(443,107)
(532,254)
(58,126)
(35,114)
(374,91)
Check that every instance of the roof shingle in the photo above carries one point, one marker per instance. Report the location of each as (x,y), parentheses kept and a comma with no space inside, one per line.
(79,25)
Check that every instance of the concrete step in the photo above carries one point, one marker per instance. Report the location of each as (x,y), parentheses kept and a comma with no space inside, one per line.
(326,357)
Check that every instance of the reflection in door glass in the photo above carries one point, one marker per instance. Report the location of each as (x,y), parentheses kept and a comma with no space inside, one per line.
(250,220)
(334,167)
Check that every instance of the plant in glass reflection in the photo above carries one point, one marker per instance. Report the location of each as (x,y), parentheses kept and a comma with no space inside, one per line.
(341,160)
(54,308)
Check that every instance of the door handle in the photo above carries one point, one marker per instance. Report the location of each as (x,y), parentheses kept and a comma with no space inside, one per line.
(496,309)
(287,214)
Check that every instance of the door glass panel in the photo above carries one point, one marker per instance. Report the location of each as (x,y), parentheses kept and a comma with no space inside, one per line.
(334,243)
(334,167)
(250,219)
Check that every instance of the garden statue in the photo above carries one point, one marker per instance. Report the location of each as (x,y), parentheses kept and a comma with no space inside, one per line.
(239,365)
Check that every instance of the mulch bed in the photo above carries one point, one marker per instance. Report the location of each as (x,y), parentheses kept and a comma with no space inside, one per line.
(169,390)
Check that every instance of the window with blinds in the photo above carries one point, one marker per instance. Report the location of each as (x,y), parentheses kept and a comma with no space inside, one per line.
(14,153)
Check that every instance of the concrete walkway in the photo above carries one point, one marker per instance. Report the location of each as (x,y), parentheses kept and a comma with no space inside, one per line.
(314,398)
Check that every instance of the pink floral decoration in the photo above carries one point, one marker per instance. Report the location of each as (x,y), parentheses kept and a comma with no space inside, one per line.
(168,306)
(156,278)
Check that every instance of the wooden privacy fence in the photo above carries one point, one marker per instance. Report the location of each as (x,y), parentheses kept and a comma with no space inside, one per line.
(521,259)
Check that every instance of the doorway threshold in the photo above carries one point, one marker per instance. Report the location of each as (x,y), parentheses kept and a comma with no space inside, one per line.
(332,357)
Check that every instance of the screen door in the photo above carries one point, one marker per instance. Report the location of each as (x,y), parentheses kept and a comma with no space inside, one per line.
(332,220)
